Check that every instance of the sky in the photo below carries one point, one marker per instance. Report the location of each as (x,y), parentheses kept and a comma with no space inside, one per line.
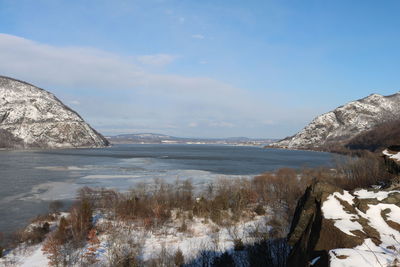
(209,68)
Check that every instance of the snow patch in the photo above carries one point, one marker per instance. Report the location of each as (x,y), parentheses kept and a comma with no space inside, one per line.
(333,209)
(380,195)
(395,156)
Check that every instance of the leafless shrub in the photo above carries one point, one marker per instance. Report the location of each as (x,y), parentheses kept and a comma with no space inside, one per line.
(154,206)
(259,209)
(183,227)
(280,191)
(124,250)
(179,259)
(215,237)
(238,244)
(361,172)
(259,233)
(59,246)
(81,221)
(53,249)
(162,259)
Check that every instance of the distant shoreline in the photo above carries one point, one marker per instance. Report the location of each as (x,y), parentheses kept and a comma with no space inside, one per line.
(188,143)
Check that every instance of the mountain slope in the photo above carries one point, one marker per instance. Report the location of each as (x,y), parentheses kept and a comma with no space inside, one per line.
(378,137)
(31,117)
(345,122)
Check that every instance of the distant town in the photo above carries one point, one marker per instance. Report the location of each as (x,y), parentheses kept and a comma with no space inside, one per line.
(151,138)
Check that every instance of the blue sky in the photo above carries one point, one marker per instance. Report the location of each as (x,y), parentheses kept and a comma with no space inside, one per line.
(203,68)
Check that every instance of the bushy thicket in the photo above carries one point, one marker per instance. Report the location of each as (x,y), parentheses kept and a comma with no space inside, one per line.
(72,232)
(365,171)
(224,202)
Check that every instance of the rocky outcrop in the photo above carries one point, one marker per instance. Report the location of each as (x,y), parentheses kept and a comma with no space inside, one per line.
(337,127)
(31,117)
(334,227)
(391,156)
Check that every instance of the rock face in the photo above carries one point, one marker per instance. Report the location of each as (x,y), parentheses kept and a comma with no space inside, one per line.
(31,117)
(334,227)
(391,156)
(344,123)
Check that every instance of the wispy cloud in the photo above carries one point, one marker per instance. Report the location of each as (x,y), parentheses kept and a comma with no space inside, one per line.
(157,60)
(198,36)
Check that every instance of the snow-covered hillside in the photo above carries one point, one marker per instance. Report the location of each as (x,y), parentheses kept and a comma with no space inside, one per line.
(344,122)
(32,117)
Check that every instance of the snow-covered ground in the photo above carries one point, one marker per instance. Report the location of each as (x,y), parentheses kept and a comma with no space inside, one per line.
(115,236)
(31,256)
(380,216)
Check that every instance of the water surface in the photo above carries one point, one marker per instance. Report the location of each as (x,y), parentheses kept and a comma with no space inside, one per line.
(31,179)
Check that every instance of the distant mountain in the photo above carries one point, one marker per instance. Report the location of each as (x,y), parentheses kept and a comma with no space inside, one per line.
(31,117)
(151,138)
(338,127)
(141,137)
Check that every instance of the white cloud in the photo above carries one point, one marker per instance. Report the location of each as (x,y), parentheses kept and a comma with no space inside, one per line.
(130,96)
(198,36)
(83,67)
(157,60)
